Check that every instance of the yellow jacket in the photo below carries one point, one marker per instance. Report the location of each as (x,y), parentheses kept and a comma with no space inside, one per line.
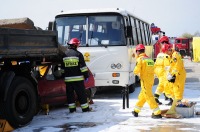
(144,67)
(162,64)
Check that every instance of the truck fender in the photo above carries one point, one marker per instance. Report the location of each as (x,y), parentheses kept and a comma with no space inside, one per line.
(5,82)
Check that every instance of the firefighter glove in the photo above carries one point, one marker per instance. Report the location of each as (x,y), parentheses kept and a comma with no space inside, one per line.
(171,78)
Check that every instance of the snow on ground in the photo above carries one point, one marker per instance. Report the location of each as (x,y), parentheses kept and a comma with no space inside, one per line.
(109,116)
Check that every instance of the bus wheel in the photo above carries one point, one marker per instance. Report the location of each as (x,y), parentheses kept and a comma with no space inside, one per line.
(131,88)
(21,102)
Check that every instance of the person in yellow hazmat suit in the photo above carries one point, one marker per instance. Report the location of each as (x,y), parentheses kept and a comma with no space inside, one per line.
(176,75)
(145,70)
(162,61)
(168,87)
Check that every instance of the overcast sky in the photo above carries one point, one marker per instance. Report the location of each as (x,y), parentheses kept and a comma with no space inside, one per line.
(175,17)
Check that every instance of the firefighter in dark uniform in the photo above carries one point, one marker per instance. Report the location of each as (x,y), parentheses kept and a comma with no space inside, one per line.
(75,72)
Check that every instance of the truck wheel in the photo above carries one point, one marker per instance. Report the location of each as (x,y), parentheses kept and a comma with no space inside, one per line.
(21,102)
(131,88)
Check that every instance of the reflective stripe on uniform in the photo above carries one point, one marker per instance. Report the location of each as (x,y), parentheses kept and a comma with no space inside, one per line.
(137,109)
(70,61)
(72,105)
(84,69)
(83,106)
(149,62)
(74,78)
(156,111)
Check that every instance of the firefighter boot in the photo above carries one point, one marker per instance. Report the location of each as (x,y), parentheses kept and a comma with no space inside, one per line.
(135,113)
(156,116)
(72,110)
(170,101)
(156,96)
(88,109)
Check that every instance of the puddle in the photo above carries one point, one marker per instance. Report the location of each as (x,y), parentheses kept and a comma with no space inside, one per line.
(163,127)
(77,125)
(174,127)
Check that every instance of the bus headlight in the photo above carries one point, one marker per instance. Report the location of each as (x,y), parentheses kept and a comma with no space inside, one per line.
(119,66)
(113,66)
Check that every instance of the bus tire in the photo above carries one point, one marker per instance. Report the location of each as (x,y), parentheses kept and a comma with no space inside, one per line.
(21,103)
(131,88)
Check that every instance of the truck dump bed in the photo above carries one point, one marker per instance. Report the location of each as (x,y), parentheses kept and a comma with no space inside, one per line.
(20,43)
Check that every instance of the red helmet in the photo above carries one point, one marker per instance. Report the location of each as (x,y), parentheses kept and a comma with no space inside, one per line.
(164,39)
(74,41)
(166,47)
(140,47)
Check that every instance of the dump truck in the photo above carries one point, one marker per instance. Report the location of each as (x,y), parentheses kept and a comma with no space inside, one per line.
(23,53)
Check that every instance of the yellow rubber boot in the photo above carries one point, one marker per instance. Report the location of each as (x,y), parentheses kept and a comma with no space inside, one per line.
(172,109)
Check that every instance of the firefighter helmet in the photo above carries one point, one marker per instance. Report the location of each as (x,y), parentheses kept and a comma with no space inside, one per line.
(140,47)
(166,47)
(164,39)
(74,41)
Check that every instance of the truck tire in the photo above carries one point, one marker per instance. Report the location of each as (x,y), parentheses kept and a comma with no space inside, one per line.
(21,103)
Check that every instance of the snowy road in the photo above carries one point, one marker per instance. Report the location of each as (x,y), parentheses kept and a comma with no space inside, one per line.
(108,115)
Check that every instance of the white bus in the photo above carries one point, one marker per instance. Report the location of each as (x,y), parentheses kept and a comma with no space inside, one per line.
(108,38)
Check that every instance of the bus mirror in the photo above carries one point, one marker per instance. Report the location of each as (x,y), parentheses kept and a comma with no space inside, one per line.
(51,26)
(129,31)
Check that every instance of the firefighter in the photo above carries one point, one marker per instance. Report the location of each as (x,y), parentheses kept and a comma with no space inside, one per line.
(75,72)
(176,74)
(162,62)
(168,87)
(145,69)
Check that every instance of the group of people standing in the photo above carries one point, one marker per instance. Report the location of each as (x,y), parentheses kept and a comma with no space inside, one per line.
(170,71)
(168,68)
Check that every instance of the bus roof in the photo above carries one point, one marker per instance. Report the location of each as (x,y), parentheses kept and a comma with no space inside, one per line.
(100,10)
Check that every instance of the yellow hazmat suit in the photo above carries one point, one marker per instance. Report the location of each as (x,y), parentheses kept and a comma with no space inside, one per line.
(145,69)
(161,66)
(177,69)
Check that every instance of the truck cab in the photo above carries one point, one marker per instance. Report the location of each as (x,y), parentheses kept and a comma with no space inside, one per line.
(182,45)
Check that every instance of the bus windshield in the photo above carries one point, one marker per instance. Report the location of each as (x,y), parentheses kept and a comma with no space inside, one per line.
(91,30)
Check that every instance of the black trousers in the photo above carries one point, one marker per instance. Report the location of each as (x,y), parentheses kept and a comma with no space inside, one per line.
(73,89)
